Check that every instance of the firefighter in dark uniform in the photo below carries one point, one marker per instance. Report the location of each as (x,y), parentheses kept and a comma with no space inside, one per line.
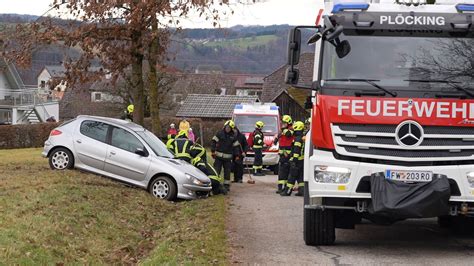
(225,148)
(197,150)
(128,113)
(285,140)
(181,146)
(296,162)
(217,182)
(239,164)
(257,147)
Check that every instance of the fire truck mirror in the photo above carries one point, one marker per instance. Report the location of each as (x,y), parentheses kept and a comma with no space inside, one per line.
(335,34)
(294,47)
(292,76)
(343,49)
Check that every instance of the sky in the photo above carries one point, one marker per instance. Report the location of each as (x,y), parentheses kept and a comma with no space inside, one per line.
(265,12)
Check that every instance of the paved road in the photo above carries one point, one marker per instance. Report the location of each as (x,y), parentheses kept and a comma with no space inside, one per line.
(265,228)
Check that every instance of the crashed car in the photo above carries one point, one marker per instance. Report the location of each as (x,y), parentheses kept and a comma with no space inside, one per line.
(126,152)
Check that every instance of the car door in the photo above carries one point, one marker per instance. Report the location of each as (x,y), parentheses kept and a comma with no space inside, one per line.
(90,143)
(121,157)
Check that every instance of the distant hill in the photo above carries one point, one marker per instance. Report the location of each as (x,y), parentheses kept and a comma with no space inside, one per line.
(255,49)
(240,49)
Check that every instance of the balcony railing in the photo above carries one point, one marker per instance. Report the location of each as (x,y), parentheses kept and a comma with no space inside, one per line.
(25,97)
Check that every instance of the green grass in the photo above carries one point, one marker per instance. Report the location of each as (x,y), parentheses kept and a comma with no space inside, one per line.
(55,217)
(243,43)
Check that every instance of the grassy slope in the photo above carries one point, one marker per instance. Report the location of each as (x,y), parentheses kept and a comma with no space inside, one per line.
(51,217)
(243,43)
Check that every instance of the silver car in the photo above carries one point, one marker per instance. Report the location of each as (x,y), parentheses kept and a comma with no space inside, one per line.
(124,151)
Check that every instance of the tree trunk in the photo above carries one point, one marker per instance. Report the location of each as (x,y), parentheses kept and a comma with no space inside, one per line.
(137,79)
(153,81)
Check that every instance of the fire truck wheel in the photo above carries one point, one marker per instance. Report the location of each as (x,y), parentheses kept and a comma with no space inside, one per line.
(319,226)
(445,221)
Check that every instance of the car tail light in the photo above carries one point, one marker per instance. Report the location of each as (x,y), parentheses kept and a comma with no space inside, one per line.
(55,132)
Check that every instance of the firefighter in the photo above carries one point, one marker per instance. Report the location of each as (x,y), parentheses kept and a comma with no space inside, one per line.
(224,147)
(238,166)
(181,146)
(128,113)
(197,150)
(285,140)
(257,147)
(296,162)
(217,182)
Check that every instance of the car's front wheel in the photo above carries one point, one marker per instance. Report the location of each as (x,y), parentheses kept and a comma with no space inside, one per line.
(61,159)
(164,188)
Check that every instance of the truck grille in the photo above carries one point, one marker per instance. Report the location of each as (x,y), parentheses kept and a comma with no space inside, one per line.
(379,142)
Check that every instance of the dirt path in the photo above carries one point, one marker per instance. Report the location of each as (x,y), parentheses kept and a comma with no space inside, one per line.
(266,229)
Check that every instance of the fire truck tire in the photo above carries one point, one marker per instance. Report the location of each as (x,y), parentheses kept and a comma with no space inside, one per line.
(445,221)
(319,226)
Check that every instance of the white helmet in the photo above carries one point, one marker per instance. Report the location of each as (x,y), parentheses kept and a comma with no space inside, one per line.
(172,125)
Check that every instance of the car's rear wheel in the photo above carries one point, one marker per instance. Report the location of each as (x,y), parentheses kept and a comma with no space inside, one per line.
(61,159)
(164,188)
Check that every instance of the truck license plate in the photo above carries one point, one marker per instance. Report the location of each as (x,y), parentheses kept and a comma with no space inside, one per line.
(409,176)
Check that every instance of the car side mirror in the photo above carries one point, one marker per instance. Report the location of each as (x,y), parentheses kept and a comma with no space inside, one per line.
(343,49)
(141,152)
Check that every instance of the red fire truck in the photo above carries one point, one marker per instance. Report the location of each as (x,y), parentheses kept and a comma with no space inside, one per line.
(392,134)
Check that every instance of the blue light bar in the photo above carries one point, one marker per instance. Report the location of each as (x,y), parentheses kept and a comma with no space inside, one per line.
(239,106)
(465,7)
(341,7)
(273,108)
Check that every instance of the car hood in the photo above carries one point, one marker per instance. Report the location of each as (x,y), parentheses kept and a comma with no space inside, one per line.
(187,168)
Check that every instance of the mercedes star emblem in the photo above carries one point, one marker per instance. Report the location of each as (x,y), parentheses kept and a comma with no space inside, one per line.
(409,134)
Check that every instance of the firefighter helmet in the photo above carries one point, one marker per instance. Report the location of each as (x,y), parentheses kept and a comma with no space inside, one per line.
(230,123)
(298,126)
(130,108)
(287,119)
(259,125)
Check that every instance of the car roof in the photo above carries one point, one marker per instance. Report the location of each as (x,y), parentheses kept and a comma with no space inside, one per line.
(115,121)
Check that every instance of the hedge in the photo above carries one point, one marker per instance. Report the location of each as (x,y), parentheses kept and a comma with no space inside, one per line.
(25,136)
(30,136)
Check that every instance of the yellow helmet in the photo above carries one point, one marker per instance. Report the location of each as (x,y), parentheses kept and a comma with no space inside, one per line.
(183,133)
(230,123)
(287,119)
(130,108)
(298,126)
(259,125)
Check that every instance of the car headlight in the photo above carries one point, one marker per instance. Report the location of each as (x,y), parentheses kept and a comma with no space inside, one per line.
(194,179)
(470,178)
(331,174)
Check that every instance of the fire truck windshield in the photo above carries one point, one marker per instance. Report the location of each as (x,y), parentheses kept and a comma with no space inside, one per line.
(397,64)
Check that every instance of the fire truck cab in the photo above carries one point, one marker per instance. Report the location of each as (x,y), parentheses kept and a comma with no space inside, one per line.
(392,125)
(246,115)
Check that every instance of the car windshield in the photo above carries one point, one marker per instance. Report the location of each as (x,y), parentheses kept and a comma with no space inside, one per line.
(246,123)
(155,144)
(399,63)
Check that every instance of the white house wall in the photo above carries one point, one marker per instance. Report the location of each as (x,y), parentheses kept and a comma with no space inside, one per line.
(4,85)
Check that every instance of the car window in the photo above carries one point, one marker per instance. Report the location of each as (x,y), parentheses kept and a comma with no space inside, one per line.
(95,130)
(125,140)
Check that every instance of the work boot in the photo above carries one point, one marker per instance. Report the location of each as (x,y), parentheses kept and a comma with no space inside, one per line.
(239,181)
(223,190)
(286,192)
(279,190)
(258,173)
